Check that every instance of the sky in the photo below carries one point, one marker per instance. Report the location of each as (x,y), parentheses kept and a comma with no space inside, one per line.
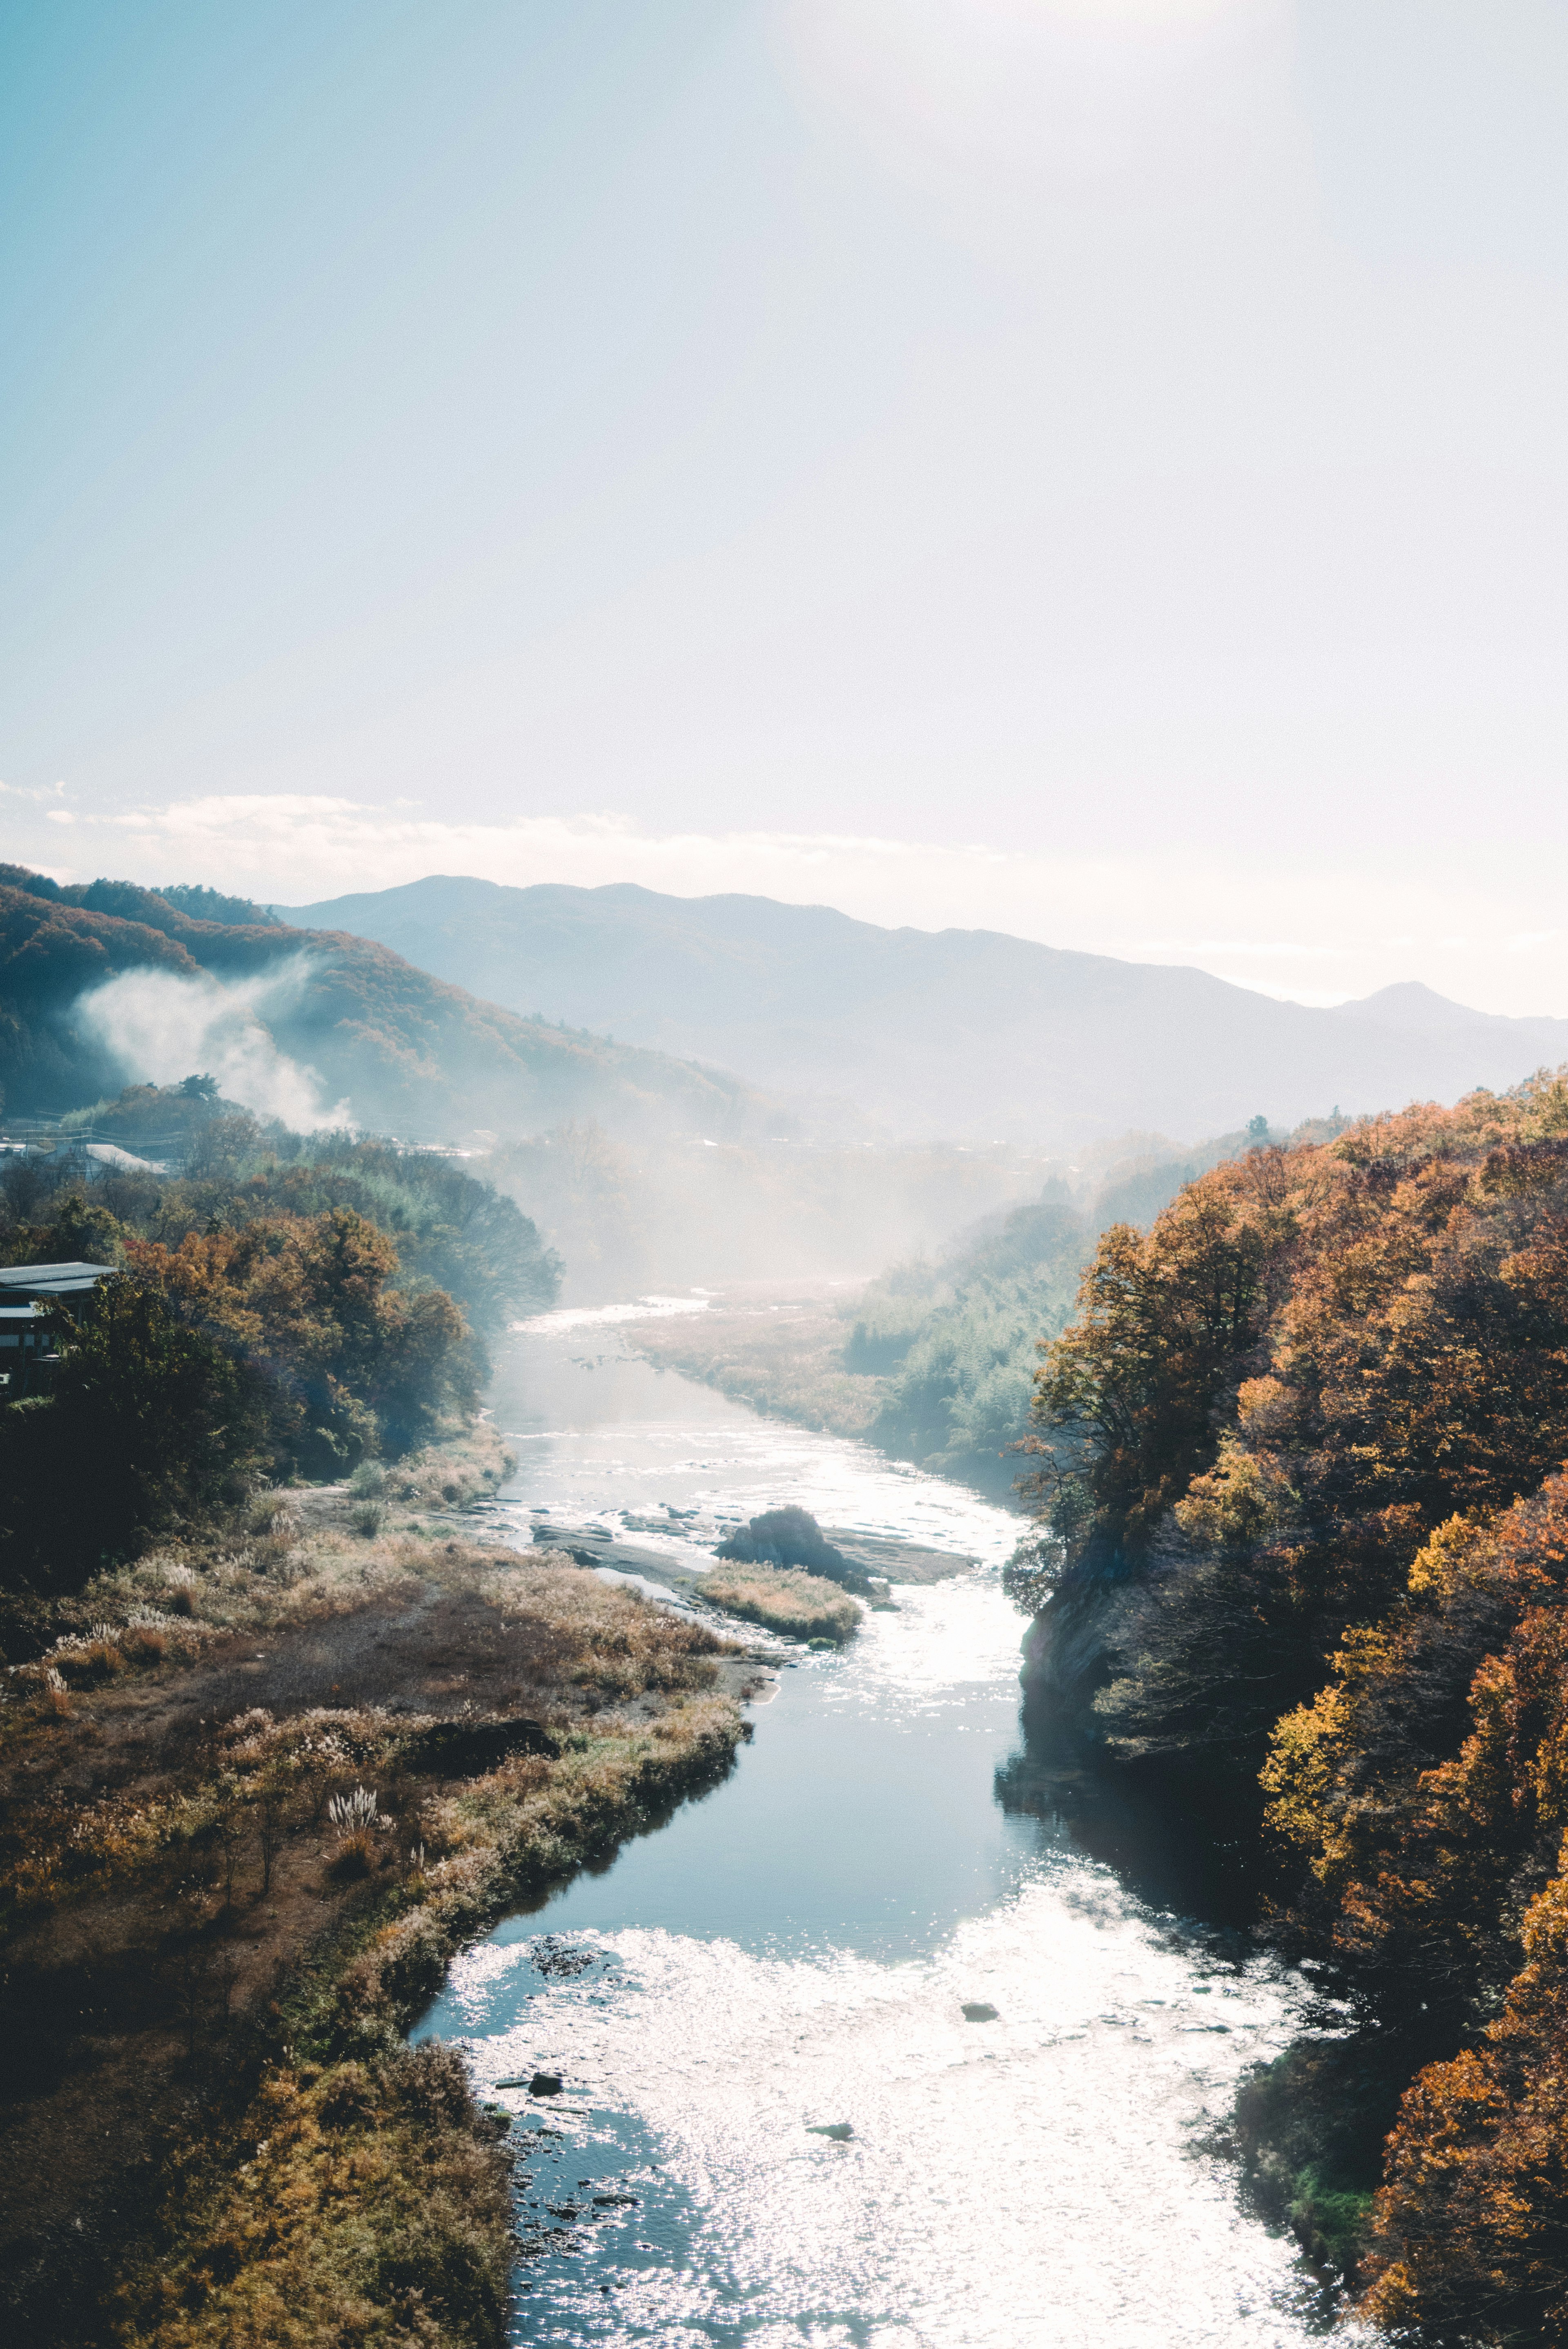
(1093,468)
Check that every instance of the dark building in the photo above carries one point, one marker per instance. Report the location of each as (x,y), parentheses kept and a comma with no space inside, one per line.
(26,1347)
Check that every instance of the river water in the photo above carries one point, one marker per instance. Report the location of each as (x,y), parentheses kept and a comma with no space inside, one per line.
(795,1951)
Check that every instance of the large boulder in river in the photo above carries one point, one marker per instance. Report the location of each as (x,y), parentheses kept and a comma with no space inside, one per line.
(791,1536)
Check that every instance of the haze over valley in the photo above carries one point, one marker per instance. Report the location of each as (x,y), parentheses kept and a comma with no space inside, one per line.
(884,1091)
(784,1175)
(962,1035)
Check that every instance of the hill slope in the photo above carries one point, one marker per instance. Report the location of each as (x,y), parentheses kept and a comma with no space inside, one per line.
(342,1015)
(962,1032)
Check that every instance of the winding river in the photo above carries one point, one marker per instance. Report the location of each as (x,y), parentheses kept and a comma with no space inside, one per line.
(887,2042)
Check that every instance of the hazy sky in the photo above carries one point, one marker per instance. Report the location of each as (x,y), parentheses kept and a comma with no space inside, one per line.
(1091,468)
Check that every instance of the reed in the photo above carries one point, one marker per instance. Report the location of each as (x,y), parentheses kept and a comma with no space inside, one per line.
(369,2199)
(800,1606)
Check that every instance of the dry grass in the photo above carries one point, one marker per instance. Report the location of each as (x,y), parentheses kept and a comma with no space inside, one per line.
(802,1606)
(173,1871)
(609,1641)
(373,2205)
(782,1356)
(361,2195)
(452,1476)
(362,2198)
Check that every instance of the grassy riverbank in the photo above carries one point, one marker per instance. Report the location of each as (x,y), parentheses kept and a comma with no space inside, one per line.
(780,1354)
(216,2132)
(800,1606)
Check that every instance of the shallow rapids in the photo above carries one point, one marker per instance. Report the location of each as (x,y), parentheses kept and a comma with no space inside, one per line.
(794,1953)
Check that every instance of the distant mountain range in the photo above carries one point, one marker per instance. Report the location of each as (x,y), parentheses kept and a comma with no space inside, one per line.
(401,1051)
(964,1033)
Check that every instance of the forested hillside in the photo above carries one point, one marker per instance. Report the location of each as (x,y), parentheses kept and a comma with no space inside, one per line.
(366,1034)
(956,1342)
(1305,1559)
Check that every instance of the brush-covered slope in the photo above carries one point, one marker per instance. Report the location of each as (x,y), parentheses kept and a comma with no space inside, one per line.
(400,1049)
(966,1033)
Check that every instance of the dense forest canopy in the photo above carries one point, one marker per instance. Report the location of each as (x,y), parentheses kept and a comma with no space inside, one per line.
(1315,1356)
(1302,1467)
(450,1227)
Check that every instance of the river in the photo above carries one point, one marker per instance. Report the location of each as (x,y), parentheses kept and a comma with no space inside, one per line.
(794,1953)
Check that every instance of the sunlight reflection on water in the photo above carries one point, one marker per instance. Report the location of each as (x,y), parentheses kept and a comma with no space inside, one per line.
(796,1951)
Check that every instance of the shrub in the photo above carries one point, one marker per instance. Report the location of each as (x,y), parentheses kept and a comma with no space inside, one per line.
(352,1814)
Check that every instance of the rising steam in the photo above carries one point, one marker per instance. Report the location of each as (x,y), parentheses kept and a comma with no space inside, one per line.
(164,1024)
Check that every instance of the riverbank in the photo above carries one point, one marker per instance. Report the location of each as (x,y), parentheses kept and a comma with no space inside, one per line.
(213,2132)
(782,1351)
(779,1349)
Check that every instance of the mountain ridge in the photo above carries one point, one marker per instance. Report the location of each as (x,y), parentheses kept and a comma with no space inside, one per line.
(972,1033)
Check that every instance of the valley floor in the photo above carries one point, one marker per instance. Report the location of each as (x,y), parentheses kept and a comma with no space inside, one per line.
(778,1348)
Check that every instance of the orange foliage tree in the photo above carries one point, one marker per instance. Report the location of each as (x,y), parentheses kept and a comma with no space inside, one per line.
(1270,1401)
(349,1363)
(1471,2229)
(1320,1411)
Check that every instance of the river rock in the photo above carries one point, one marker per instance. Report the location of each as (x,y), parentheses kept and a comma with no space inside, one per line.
(977,2010)
(839,2131)
(545,2084)
(555,1957)
(791,1536)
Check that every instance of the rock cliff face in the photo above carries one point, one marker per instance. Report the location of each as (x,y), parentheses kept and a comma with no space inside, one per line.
(1070,1646)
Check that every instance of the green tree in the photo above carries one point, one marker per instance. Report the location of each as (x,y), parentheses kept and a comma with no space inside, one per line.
(149,1425)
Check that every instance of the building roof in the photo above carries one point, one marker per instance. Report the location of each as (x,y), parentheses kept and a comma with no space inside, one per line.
(18,1281)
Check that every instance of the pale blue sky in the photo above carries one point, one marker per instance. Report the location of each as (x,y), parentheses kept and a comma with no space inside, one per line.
(1092,467)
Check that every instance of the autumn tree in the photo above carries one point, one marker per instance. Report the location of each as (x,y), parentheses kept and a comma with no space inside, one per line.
(1471,2229)
(1272,1399)
(349,1362)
